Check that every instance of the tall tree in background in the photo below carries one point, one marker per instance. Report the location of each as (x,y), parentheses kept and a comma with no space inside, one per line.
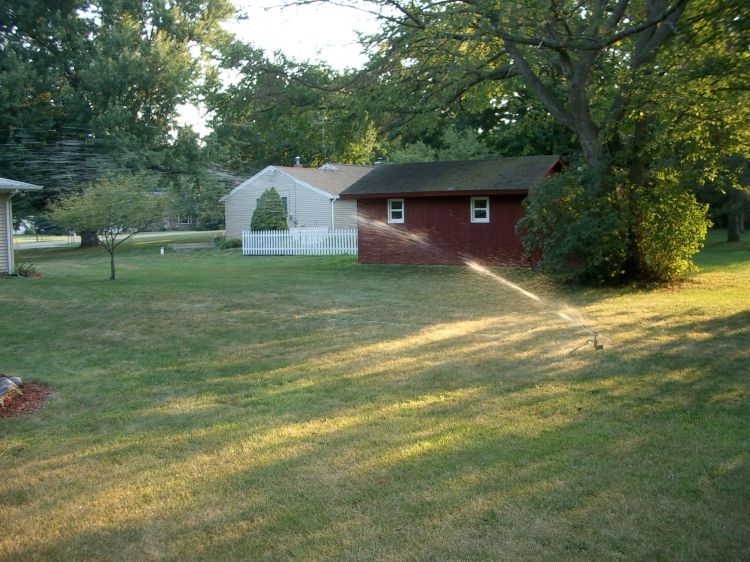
(279,109)
(700,118)
(568,55)
(452,144)
(195,185)
(94,86)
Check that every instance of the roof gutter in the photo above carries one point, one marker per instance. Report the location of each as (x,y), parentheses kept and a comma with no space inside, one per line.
(461,193)
(9,232)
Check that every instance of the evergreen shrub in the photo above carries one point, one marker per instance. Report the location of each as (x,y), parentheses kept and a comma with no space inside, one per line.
(270,213)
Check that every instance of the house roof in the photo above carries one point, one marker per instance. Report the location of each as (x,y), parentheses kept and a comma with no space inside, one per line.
(331,178)
(500,174)
(13,185)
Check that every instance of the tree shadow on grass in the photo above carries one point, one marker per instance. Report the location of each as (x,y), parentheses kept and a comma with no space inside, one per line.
(425,445)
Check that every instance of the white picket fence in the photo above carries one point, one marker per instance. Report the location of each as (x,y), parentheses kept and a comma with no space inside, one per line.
(300,242)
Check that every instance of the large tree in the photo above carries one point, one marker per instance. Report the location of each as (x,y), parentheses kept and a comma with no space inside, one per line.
(580,60)
(91,87)
(700,116)
(603,70)
(279,109)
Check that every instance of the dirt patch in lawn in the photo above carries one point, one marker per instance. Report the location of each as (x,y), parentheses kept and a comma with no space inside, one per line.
(32,398)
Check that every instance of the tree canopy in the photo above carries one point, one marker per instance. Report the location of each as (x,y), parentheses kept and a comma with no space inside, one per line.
(94,87)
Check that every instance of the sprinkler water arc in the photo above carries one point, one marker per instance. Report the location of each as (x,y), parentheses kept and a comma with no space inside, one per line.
(563,314)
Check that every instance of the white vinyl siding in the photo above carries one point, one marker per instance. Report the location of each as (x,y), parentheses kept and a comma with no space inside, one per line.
(306,208)
(6,240)
(345,213)
(239,205)
(310,208)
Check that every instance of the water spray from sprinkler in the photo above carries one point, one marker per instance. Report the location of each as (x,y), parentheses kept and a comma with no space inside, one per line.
(536,298)
(422,240)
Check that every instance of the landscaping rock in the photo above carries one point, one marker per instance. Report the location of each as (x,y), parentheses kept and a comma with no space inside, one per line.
(33,397)
(17,380)
(7,389)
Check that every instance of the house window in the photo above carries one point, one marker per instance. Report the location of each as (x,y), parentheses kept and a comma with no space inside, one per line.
(480,209)
(284,201)
(395,210)
(286,205)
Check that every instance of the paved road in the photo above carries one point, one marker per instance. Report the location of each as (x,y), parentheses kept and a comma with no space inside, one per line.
(49,244)
(173,236)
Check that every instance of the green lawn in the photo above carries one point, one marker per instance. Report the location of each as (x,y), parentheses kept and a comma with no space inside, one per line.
(213,407)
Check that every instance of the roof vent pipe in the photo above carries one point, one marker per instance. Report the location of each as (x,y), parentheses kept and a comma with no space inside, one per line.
(297,162)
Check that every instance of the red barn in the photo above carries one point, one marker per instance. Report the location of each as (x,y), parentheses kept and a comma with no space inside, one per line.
(445,212)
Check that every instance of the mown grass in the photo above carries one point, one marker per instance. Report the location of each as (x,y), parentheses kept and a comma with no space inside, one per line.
(213,407)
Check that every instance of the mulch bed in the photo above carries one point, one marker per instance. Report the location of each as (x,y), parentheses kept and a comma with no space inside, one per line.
(34,395)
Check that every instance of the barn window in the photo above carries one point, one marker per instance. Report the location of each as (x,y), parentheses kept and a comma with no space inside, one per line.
(395,210)
(480,209)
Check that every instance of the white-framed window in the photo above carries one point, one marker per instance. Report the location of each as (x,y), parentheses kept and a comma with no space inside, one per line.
(480,209)
(395,210)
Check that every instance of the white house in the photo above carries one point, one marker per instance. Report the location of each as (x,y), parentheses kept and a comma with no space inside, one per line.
(310,196)
(8,188)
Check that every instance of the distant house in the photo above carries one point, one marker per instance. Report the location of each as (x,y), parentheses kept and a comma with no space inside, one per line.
(8,188)
(445,212)
(310,196)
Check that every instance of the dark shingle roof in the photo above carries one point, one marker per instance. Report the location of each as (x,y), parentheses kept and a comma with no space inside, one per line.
(502,174)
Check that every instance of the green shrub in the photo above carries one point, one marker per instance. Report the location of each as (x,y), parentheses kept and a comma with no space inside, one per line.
(570,233)
(26,270)
(270,213)
(672,226)
(619,234)
(223,243)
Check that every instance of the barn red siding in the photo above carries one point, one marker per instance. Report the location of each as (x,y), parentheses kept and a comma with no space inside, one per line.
(438,230)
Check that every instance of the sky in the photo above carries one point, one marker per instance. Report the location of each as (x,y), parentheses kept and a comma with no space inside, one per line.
(319,32)
(316,33)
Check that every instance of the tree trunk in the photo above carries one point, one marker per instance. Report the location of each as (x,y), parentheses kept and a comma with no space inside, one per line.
(89,239)
(733,227)
(112,266)
(637,171)
(593,152)
(734,215)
